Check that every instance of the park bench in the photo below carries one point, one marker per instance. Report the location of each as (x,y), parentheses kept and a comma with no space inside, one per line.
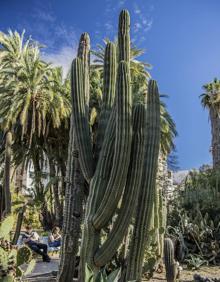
(44,240)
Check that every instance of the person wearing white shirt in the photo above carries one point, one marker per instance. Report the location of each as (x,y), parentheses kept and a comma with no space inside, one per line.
(31,239)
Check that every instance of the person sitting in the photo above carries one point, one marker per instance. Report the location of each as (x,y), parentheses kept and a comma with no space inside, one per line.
(31,239)
(55,238)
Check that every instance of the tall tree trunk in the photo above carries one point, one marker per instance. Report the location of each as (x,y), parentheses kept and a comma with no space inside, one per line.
(57,205)
(63,175)
(215,124)
(18,224)
(7,173)
(45,216)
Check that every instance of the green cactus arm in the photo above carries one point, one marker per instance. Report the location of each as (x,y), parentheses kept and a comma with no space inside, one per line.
(110,246)
(84,54)
(169,261)
(90,238)
(80,122)
(161,215)
(157,221)
(110,65)
(156,207)
(146,195)
(124,36)
(122,149)
(108,94)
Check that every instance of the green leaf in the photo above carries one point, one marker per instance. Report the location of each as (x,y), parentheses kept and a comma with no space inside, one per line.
(19,272)
(89,276)
(114,276)
(100,277)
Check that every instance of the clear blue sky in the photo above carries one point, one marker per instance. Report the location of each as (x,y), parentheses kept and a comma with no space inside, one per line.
(181,38)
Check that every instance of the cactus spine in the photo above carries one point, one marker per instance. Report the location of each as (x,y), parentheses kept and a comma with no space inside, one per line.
(170,264)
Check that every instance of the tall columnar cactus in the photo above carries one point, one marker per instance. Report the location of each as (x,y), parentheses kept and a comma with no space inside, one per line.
(146,197)
(124,36)
(75,181)
(113,163)
(123,166)
(170,264)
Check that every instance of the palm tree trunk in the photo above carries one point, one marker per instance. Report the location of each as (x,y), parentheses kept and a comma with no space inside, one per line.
(57,204)
(7,174)
(45,216)
(215,124)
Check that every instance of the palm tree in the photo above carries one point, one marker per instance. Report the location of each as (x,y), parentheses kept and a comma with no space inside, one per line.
(211,100)
(168,129)
(11,47)
(34,102)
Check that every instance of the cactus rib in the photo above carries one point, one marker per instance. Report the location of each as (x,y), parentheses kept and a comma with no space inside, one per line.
(145,202)
(170,264)
(108,94)
(108,249)
(122,149)
(81,127)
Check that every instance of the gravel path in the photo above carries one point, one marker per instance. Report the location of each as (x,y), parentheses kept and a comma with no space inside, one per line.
(44,271)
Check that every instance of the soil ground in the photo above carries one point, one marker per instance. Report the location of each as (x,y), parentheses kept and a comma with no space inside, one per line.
(43,268)
(187,275)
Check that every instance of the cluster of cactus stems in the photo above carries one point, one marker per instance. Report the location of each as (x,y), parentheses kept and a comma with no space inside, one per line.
(121,168)
(170,263)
